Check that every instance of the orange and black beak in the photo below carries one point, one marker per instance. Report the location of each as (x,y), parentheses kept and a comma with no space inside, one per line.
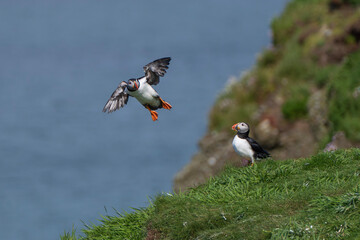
(234,127)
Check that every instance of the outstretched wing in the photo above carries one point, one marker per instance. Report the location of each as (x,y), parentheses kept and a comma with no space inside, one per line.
(156,69)
(118,99)
(259,151)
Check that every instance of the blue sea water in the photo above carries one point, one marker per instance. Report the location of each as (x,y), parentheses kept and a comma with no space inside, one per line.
(61,159)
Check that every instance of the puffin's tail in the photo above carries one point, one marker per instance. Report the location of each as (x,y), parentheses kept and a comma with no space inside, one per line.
(263,154)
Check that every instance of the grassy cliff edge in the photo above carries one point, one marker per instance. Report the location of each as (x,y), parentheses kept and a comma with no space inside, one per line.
(308,198)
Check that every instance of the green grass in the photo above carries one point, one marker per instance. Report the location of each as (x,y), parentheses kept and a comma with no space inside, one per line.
(310,198)
(125,226)
(297,14)
(354,2)
(295,106)
(344,106)
(69,235)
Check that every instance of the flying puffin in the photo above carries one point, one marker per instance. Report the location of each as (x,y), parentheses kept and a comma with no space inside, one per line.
(245,146)
(141,89)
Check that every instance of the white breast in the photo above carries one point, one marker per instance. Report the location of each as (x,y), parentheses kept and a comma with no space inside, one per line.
(242,147)
(146,94)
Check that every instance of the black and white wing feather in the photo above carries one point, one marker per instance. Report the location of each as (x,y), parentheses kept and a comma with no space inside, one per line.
(259,151)
(118,99)
(155,70)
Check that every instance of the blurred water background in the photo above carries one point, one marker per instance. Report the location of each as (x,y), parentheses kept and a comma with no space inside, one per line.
(61,159)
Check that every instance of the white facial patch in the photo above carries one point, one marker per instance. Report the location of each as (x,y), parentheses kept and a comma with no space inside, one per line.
(243,127)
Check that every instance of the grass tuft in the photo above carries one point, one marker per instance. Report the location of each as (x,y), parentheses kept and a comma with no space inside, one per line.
(295,106)
(69,235)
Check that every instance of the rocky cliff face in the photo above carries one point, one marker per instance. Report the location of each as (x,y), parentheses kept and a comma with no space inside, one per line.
(302,94)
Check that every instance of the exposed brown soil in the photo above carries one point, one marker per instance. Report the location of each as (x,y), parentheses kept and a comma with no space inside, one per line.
(335,50)
(152,234)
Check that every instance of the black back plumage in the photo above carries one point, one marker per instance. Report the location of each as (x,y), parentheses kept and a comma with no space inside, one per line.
(156,69)
(259,152)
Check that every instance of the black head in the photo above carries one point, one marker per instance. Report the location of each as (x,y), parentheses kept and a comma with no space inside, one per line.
(133,84)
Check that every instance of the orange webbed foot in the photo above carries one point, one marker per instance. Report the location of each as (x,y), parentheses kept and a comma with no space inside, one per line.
(165,105)
(154,115)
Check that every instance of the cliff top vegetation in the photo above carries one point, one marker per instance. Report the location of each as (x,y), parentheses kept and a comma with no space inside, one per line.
(308,198)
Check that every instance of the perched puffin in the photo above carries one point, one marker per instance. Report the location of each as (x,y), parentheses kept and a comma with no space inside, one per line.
(245,146)
(141,89)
